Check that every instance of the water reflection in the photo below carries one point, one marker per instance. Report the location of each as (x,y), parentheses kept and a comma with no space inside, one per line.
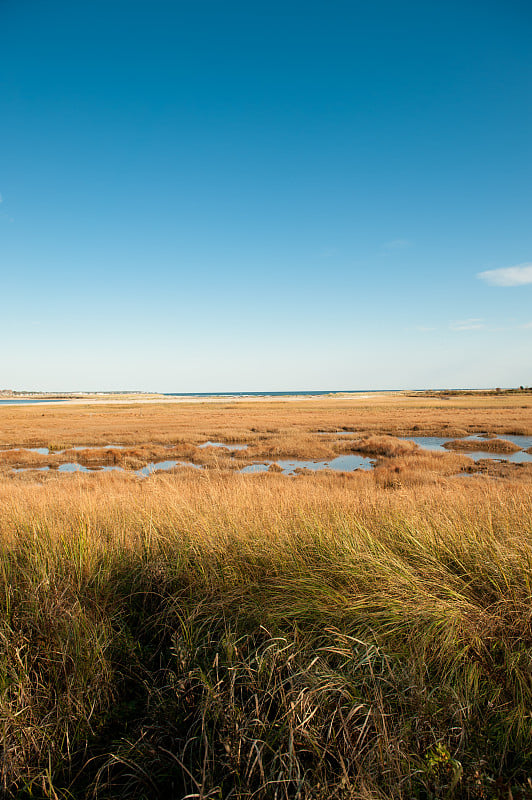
(45,451)
(436,443)
(34,469)
(226,446)
(429,442)
(524,442)
(346,463)
(252,468)
(141,473)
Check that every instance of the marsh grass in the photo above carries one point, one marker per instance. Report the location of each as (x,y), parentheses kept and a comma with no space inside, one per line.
(494,445)
(379,445)
(271,429)
(210,635)
(248,422)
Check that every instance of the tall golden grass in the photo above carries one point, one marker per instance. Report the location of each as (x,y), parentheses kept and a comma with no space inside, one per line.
(220,635)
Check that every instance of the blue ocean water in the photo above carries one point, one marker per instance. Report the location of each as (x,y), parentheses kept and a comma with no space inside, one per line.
(321,392)
(28,400)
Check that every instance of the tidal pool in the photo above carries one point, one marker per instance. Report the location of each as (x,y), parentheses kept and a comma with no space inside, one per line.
(429,442)
(34,469)
(346,463)
(516,458)
(73,467)
(224,445)
(524,442)
(45,451)
(252,468)
(142,473)
(436,443)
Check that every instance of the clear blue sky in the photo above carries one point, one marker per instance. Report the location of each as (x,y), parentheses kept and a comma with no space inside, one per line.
(202,195)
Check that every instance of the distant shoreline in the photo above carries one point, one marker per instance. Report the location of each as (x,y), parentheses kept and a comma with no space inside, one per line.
(79,398)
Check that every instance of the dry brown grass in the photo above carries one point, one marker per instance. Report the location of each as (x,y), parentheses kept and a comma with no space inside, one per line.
(247,422)
(488,444)
(271,429)
(328,636)
(379,446)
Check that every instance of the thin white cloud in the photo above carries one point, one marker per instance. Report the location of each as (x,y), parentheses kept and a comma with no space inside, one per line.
(397,244)
(424,328)
(527,325)
(472,324)
(519,275)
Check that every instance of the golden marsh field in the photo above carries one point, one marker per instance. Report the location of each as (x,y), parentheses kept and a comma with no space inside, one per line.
(206,633)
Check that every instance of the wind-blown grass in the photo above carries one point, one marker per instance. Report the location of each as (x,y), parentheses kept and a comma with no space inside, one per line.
(215,635)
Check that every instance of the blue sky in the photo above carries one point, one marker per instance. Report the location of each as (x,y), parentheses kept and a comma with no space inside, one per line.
(201,195)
